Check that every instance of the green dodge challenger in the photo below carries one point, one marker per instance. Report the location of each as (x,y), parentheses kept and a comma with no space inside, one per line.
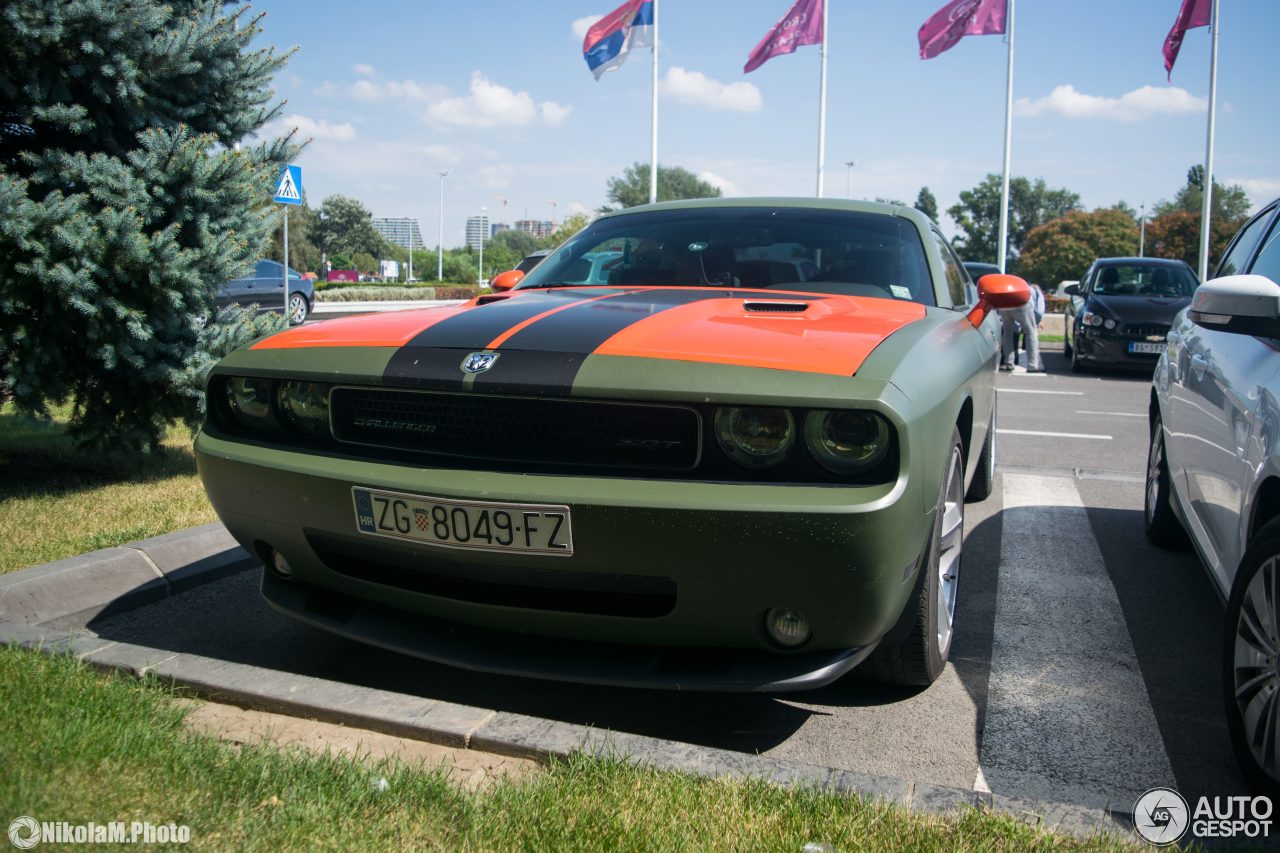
(712,445)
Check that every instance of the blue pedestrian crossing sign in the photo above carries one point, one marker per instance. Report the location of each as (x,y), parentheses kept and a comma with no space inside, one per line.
(289,189)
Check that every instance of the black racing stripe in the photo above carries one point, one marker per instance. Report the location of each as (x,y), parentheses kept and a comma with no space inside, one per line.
(474,328)
(430,368)
(544,358)
(586,327)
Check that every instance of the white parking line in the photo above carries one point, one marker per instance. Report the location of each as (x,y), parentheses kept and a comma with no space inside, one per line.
(1038,391)
(1116,414)
(1053,434)
(1068,716)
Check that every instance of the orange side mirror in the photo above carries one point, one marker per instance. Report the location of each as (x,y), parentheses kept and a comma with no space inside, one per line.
(506,280)
(997,291)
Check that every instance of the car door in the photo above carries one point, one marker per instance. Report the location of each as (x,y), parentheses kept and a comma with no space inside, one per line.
(1223,377)
(268,286)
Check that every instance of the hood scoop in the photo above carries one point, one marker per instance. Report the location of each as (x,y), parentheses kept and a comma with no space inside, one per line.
(491,297)
(763,306)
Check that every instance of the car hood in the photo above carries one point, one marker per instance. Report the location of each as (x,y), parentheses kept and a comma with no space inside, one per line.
(1141,309)
(542,337)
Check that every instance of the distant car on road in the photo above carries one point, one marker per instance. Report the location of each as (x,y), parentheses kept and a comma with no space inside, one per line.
(1121,311)
(1213,473)
(265,288)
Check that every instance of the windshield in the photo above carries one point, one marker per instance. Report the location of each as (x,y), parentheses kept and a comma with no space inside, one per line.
(1145,280)
(823,251)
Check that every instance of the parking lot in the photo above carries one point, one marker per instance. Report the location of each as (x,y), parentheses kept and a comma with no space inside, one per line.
(1084,669)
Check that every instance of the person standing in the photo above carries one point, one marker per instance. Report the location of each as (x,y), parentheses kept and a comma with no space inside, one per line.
(1025,318)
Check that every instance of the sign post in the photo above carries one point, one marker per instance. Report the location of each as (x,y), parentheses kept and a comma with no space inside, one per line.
(288,191)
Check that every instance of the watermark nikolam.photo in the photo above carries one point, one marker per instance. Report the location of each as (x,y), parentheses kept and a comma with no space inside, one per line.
(26,832)
(1163,816)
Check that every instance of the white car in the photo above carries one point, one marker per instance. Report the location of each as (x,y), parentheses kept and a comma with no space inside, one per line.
(1213,473)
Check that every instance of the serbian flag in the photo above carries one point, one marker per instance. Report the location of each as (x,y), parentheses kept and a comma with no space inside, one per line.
(801,25)
(1194,13)
(958,19)
(613,36)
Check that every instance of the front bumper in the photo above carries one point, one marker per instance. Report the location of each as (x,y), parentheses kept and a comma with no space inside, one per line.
(1109,348)
(668,585)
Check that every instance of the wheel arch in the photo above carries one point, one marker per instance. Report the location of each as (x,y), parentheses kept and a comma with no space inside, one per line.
(1266,505)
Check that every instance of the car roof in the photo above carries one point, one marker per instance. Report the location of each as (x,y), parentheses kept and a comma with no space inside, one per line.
(1153,262)
(794,202)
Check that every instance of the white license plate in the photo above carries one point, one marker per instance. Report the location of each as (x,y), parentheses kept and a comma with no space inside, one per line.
(478,525)
(1146,347)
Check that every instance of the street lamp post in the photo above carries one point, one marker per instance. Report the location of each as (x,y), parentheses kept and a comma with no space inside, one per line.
(480,268)
(440,243)
(848,178)
(409,223)
(1142,233)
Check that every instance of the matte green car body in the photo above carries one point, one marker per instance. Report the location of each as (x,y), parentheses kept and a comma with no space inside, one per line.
(846,556)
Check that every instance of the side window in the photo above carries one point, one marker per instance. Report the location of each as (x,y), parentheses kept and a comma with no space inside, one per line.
(1238,255)
(956,279)
(266,269)
(1268,260)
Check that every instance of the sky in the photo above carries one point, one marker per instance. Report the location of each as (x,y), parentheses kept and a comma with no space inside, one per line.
(391,93)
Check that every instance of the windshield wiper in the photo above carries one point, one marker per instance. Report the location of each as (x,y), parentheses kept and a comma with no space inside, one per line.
(545,285)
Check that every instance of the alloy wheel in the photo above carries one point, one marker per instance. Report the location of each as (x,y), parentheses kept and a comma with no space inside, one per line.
(297,309)
(1256,669)
(949,548)
(1155,461)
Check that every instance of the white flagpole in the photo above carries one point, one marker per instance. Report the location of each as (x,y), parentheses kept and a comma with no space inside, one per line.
(1002,251)
(1207,202)
(653,139)
(822,101)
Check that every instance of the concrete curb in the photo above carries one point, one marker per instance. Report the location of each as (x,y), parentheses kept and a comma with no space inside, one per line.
(46,608)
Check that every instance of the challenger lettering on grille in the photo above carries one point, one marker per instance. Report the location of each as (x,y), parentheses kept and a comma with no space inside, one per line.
(387,423)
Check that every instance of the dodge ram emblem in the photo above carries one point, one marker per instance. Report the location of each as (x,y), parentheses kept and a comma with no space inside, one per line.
(479,362)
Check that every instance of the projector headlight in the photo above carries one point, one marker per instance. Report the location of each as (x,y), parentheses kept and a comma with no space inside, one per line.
(847,442)
(250,401)
(755,438)
(305,406)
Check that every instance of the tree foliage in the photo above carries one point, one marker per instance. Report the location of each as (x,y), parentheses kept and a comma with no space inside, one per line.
(568,228)
(123,200)
(1228,203)
(1176,235)
(977,215)
(927,204)
(345,227)
(1064,247)
(673,183)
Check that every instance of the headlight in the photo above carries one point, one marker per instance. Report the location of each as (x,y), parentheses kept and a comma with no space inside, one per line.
(1092,319)
(250,401)
(1109,323)
(305,406)
(847,442)
(755,438)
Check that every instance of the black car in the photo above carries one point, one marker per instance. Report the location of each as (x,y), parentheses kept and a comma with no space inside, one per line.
(977,269)
(265,288)
(1121,311)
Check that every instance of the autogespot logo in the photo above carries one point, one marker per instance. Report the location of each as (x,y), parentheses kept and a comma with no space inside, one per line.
(1160,816)
(24,832)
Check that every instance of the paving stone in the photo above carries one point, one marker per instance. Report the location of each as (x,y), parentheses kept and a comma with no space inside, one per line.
(137,660)
(940,799)
(196,556)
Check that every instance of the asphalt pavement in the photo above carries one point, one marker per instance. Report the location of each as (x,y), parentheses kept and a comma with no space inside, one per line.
(1084,667)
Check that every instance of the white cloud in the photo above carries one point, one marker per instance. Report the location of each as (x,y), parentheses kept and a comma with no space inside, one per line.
(491,105)
(694,87)
(1139,104)
(364,70)
(392,90)
(309,127)
(1259,190)
(581,25)
(725,185)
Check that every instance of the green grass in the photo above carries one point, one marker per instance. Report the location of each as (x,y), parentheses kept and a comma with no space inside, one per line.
(58,501)
(81,746)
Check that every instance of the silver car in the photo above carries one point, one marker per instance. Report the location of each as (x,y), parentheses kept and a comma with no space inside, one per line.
(1213,473)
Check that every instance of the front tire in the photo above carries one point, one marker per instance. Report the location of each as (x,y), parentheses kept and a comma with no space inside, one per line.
(298,309)
(985,476)
(914,652)
(1077,366)
(1163,528)
(1251,662)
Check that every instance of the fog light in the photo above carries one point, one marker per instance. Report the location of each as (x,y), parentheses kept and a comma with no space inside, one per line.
(281,566)
(787,628)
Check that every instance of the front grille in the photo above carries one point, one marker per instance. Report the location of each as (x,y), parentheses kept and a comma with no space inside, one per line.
(421,571)
(518,429)
(1143,330)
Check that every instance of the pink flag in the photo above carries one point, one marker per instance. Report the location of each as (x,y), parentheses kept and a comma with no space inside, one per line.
(958,19)
(801,25)
(1194,13)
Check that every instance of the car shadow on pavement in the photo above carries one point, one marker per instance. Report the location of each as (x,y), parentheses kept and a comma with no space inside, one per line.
(1176,623)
